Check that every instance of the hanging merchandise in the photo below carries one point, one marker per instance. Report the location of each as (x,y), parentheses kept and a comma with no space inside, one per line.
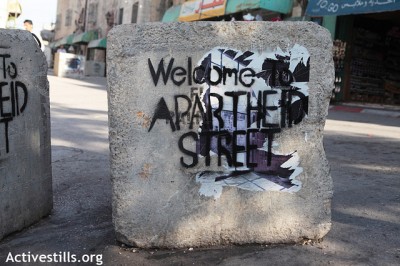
(339,52)
(367,69)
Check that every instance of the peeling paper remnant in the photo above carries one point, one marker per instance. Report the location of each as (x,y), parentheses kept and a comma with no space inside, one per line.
(273,80)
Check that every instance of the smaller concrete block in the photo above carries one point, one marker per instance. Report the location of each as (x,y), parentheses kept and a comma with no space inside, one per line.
(69,65)
(25,150)
(216,132)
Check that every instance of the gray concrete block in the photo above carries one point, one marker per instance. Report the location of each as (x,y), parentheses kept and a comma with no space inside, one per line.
(25,151)
(216,132)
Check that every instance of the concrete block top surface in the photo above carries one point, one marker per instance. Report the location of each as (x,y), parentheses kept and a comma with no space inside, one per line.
(216,132)
(25,151)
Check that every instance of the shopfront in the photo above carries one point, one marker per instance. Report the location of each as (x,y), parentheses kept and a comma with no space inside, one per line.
(229,10)
(366,48)
(96,63)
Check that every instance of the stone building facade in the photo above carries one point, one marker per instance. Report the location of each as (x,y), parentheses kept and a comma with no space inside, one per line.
(76,16)
(97,17)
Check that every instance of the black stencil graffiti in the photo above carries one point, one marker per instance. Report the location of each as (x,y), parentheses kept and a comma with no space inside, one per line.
(13,96)
(225,130)
(201,74)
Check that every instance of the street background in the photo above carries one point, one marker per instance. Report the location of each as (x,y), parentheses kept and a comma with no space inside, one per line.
(362,144)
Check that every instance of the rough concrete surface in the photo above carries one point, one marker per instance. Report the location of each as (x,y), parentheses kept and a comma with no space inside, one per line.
(25,151)
(362,148)
(279,193)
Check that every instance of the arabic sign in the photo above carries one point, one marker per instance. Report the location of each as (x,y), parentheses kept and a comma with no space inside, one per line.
(346,7)
(281,6)
(201,9)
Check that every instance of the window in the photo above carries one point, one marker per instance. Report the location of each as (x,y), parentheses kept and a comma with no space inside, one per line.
(134,12)
(120,15)
(58,22)
(92,15)
(68,17)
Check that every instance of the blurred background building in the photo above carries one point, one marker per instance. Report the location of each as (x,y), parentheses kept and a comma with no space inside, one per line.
(82,26)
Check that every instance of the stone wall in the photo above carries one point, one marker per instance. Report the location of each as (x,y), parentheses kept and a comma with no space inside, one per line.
(25,151)
(216,132)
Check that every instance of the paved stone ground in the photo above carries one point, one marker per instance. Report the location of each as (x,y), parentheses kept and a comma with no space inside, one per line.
(363,149)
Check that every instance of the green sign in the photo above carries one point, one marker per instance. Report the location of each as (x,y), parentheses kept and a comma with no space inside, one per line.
(280,6)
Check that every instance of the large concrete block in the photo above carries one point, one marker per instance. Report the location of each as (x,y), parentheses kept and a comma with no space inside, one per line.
(25,151)
(216,132)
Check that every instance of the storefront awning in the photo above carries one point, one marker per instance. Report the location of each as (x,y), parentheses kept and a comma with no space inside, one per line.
(67,40)
(201,9)
(98,44)
(280,6)
(85,37)
(172,14)
(318,8)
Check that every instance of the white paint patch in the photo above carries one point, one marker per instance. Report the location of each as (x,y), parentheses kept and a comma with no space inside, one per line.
(298,55)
